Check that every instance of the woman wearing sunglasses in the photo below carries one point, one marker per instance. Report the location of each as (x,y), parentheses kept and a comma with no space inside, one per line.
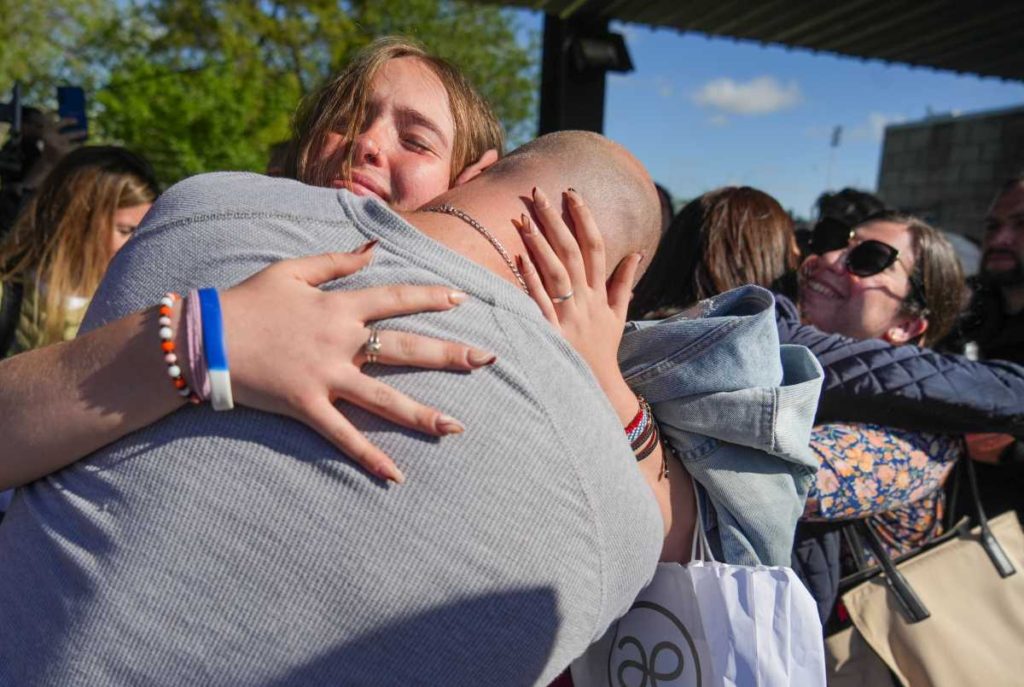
(868,286)
(852,322)
(867,295)
(895,279)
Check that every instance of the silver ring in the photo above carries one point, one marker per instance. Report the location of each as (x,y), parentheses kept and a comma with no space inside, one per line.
(562,299)
(372,346)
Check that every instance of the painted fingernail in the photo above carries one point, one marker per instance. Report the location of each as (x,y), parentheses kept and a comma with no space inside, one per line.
(456,297)
(449,425)
(517,224)
(539,199)
(525,225)
(392,473)
(367,246)
(481,358)
(520,263)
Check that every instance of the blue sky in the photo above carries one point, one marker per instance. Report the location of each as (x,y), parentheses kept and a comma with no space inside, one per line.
(702,112)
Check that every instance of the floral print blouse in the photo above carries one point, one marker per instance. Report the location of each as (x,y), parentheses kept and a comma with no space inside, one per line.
(893,476)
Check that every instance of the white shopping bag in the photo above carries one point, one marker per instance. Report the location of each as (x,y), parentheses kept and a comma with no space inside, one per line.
(711,624)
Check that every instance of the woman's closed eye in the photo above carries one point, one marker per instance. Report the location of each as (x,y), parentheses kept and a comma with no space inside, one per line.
(126,230)
(418,143)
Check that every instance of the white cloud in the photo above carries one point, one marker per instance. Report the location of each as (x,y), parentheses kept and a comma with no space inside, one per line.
(761,95)
(874,128)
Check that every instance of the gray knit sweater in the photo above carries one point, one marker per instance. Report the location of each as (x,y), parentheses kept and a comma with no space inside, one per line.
(241,549)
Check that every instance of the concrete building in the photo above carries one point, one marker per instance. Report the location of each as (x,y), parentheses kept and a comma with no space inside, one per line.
(947,168)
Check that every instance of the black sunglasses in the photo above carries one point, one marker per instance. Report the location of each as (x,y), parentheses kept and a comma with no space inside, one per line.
(865,259)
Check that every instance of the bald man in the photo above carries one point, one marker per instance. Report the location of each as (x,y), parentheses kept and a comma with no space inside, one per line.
(240,549)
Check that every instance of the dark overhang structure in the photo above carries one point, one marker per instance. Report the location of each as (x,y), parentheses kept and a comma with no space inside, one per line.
(982,38)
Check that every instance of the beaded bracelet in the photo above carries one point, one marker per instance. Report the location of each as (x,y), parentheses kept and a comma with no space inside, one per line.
(631,428)
(639,430)
(643,434)
(166,333)
(651,443)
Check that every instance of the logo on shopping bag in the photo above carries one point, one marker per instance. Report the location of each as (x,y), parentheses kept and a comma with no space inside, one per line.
(652,648)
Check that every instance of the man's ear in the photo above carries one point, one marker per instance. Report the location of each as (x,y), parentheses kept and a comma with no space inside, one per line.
(473,170)
(906,330)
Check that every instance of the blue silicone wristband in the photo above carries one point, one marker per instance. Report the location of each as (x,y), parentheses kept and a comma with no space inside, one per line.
(215,351)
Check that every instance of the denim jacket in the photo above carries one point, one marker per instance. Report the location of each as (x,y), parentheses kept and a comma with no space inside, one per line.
(738,409)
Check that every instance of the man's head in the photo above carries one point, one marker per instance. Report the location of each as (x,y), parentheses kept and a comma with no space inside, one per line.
(1002,258)
(613,183)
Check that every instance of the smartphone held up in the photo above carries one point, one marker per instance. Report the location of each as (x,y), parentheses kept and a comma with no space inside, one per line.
(71,106)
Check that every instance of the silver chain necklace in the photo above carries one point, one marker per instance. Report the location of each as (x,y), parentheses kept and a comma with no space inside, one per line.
(447,209)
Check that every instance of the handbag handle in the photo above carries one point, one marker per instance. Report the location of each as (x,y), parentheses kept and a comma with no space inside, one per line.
(988,540)
(910,603)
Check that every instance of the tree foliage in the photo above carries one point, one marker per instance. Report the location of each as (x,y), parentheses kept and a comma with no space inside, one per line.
(200,85)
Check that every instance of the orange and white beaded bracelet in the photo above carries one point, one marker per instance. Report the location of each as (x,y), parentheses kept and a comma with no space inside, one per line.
(167,304)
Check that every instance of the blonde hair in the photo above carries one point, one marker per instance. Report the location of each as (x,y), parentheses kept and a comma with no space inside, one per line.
(341,105)
(62,239)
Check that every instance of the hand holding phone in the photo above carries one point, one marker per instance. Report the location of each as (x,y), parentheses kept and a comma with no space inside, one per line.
(71,106)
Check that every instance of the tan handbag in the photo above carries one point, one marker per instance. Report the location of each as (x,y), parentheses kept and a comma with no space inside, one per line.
(950,614)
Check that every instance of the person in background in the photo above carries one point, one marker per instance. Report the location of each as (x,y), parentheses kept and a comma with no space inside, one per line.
(864,308)
(1001,335)
(53,260)
(993,328)
(276,159)
(950,392)
(896,279)
(718,241)
(27,159)
(667,206)
(85,211)
(847,206)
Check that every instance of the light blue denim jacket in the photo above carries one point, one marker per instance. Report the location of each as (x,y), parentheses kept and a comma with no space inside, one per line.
(738,409)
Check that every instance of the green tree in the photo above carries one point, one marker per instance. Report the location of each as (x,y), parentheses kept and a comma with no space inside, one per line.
(41,43)
(200,85)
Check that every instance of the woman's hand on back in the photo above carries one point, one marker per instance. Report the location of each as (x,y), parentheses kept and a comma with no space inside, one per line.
(563,263)
(592,320)
(296,349)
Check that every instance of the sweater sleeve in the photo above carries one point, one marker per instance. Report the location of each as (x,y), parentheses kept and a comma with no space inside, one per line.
(913,388)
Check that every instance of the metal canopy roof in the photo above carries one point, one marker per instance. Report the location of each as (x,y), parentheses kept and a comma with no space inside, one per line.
(983,38)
